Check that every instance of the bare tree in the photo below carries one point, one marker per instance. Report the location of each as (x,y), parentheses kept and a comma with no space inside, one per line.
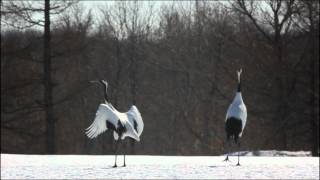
(177,65)
(275,23)
(307,21)
(21,14)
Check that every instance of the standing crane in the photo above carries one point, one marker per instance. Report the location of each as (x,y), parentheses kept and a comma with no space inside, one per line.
(236,118)
(127,124)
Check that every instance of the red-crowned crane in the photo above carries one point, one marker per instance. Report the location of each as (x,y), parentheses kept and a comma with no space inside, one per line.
(123,124)
(236,118)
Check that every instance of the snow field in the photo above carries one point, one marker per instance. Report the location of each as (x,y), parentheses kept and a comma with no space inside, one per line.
(156,167)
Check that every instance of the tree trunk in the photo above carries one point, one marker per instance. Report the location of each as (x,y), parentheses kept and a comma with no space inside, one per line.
(50,144)
(118,73)
(313,118)
(282,90)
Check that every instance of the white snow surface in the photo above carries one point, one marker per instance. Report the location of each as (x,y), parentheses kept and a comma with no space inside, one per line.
(273,153)
(19,166)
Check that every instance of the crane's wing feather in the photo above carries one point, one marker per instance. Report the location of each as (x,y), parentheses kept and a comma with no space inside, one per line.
(244,118)
(238,111)
(104,115)
(135,119)
(243,115)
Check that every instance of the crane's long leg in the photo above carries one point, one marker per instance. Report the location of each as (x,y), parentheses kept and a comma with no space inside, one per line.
(124,155)
(124,159)
(238,164)
(116,152)
(228,150)
(123,143)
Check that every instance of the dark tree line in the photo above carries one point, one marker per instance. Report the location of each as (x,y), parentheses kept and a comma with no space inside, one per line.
(176,63)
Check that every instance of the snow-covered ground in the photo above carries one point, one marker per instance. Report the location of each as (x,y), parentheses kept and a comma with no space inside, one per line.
(273,153)
(159,167)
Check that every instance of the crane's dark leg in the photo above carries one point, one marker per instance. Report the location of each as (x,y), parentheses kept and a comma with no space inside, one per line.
(115,162)
(124,160)
(116,152)
(238,164)
(228,150)
(124,153)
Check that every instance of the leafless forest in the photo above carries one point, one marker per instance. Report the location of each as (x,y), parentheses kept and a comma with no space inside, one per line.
(176,61)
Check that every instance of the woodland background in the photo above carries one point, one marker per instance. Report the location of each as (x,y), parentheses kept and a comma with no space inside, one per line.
(178,64)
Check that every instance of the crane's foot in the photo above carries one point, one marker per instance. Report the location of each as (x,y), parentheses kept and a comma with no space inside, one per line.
(114,166)
(227,159)
(124,165)
(238,164)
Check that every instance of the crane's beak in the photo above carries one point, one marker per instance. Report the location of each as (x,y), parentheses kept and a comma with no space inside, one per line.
(94,81)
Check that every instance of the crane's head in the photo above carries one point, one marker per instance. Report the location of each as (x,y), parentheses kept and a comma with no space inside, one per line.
(239,74)
(103,82)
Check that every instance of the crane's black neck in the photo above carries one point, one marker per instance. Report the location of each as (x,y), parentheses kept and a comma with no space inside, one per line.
(239,80)
(239,87)
(105,92)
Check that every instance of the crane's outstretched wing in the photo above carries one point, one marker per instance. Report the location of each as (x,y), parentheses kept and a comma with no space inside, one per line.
(105,118)
(135,119)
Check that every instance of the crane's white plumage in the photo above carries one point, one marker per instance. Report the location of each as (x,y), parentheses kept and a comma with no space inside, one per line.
(237,109)
(106,112)
(99,125)
(134,115)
